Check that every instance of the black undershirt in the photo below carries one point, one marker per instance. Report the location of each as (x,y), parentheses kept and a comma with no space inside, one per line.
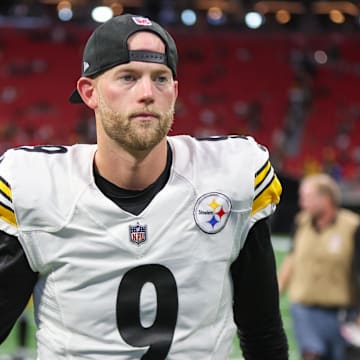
(256,309)
(134,201)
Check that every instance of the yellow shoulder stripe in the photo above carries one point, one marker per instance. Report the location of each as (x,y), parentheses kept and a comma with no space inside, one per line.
(270,194)
(5,188)
(261,174)
(7,215)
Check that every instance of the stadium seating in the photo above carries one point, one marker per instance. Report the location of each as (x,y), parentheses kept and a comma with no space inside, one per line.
(223,75)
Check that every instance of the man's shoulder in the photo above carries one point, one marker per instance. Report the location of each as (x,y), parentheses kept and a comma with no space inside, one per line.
(45,152)
(213,141)
(225,148)
(43,180)
(349,217)
(28,161)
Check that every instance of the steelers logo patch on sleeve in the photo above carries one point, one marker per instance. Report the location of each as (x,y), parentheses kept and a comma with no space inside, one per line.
(211,212)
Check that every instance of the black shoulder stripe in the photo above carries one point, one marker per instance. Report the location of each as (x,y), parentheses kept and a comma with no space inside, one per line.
(272,179)
(6,196)
(267,173)
(262,168)
(4,181)
(6,207)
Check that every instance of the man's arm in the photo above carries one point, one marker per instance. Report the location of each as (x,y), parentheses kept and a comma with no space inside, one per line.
(17,281)
(256,298)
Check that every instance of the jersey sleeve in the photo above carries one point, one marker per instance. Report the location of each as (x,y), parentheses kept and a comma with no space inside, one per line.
(17,281)
(256,308)
(8,222)
(267,187)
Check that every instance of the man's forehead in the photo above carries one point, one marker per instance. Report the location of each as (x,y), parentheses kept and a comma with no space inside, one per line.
(134,66)
(146,40)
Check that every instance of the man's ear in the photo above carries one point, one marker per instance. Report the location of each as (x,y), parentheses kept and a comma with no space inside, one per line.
(86,89)
(176,88)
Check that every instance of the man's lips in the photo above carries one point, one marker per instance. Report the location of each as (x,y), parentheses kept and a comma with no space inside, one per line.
(144,115)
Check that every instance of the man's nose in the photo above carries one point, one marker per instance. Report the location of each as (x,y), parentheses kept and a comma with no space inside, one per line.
(146,90)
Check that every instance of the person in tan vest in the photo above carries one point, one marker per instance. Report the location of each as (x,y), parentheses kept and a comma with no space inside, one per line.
(318,272)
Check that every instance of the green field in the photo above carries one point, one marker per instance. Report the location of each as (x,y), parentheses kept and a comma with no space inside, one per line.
(8,348)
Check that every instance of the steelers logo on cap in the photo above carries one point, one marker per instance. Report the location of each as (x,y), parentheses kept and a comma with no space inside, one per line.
(211,212)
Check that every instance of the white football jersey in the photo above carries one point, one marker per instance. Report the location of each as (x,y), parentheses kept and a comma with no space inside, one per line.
(113,285)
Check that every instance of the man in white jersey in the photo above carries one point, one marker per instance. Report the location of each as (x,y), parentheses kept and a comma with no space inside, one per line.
(143,246)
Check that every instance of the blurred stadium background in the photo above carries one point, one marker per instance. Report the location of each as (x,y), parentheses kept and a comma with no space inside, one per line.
(285,72)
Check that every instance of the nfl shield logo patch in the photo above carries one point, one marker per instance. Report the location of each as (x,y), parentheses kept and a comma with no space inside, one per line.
(138,233)
(139,20)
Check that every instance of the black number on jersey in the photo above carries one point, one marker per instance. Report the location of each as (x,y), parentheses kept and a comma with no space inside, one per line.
(160,334)
(48,149)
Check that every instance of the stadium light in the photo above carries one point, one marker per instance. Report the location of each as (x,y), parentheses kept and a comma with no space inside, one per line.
(254,20)
(188,17)
(336,16)
(64,10)
(65,14)
(282,16)
(117,8)
(215,16)
(102,13)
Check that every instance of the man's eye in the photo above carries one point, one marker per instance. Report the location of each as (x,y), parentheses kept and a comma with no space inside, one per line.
(162,79)
(127,77)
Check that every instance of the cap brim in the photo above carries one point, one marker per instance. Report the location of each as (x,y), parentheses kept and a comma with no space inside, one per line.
(75,97)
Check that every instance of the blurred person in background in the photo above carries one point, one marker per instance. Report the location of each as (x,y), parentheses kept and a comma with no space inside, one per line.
(319,269)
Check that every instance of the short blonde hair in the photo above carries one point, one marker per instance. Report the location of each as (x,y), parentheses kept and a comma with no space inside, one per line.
(325,185)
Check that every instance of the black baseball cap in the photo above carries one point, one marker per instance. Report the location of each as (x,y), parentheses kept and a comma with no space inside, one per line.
(107,47)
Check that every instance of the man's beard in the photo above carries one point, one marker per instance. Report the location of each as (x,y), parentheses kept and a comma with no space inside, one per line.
(135,136)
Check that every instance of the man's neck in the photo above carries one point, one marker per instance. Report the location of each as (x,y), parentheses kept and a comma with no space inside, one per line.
(131,171)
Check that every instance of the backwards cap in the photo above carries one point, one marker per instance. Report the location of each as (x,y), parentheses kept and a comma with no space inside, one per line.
(107,47)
